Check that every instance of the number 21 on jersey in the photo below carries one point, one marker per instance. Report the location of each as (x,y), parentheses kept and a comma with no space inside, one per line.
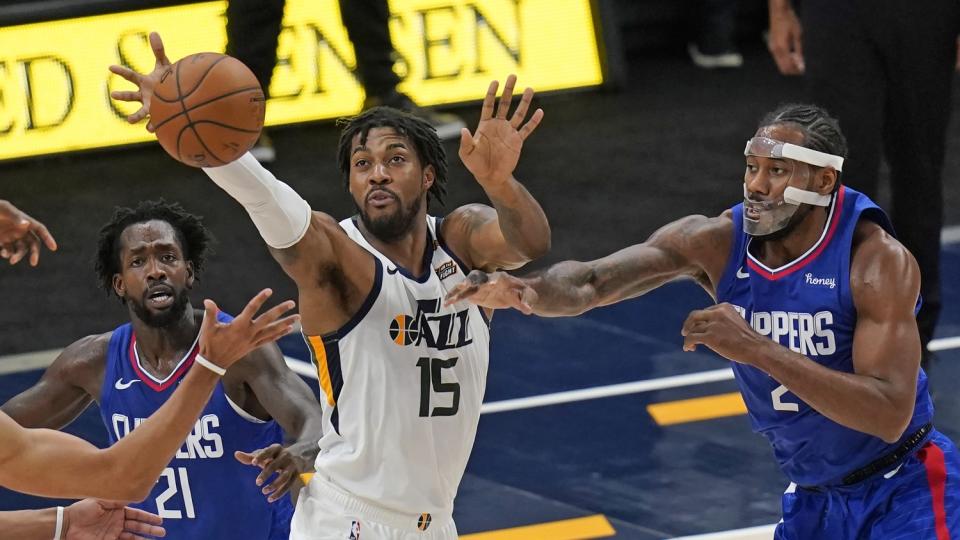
(178,485)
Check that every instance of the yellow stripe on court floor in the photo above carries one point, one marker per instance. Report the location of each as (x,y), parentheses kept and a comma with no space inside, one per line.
(583,528)
(692,410)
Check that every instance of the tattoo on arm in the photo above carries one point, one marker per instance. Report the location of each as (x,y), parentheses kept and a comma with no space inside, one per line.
(676,250)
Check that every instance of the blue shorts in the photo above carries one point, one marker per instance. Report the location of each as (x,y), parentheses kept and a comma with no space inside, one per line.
(919,500)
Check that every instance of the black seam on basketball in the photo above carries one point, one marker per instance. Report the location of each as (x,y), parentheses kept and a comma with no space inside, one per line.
(200,80)
(158,97)
(190,122)
(228,126)
(182,104)
(203,144)
(180,136)
(209,101)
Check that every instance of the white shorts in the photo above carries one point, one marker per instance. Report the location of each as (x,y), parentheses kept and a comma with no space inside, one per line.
(326,512)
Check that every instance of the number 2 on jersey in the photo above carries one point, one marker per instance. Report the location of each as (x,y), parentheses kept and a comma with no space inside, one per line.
(170,474)
(431,375)
(781,405)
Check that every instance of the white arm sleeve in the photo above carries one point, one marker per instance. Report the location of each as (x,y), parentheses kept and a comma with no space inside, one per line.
(280,214)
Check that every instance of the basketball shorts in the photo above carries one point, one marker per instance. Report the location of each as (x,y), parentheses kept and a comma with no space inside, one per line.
(324,512)
(916,500)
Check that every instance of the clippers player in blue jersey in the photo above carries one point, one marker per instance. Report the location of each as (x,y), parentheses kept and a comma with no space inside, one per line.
(49,463)
(816,304)
(149,257)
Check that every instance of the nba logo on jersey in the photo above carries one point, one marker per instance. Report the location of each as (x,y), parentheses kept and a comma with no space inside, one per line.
(354,531)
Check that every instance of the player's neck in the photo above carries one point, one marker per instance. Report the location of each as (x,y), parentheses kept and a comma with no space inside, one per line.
(776,253)
(406,251)
(162,348)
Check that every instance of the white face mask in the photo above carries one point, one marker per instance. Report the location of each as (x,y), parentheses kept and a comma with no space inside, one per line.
(763,218)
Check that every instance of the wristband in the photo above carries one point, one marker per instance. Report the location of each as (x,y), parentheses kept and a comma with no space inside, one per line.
(210,365)
(59,531)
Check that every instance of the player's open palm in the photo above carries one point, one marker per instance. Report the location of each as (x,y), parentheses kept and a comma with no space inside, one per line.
(495,291)
(225,343)
(492,152)
(145,82)
(91,519)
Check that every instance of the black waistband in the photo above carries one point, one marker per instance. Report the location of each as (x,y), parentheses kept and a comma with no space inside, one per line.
(905,449)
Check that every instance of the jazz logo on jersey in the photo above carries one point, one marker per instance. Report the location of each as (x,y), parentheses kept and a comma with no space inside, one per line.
(354,531)
(439,331)
(446,270)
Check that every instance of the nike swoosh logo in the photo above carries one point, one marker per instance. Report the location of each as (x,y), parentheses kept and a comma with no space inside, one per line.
(120,385)
(741,274)
(392,270)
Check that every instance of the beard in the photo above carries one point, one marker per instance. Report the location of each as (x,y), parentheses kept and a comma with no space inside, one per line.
(392,227)
(165,318)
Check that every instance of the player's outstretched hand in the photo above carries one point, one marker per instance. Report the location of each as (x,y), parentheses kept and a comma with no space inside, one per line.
(91,519)
(491,153)
(497,290)
(225,343)
(20,234)
(145,82)
(273,459)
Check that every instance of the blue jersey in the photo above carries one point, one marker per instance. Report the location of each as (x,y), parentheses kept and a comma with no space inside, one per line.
(807,306)
(204,493)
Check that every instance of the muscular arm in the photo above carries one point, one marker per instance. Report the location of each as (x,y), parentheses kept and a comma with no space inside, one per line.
(286,398)
(878,397)
(61,393)
(53,464)
(28,524)
(694,246)
(311,247)
(509,236)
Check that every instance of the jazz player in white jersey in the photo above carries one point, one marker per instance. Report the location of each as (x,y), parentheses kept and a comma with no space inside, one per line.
(403,375)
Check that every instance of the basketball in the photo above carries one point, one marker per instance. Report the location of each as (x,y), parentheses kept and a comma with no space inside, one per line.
(207,109)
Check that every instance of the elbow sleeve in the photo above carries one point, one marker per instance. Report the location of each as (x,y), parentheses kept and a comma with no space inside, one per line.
(280,214)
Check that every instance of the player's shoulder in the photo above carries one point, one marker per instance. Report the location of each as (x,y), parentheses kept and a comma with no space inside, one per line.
(879,262)
(872,244)
(85,356)
(462,220)
(702,231)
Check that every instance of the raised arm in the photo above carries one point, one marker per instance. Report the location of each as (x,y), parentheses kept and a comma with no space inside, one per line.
(53,464)
(515,230)
(310,246)
(61,395)
(289,401)
(785,39)
(694,246)
(878,397)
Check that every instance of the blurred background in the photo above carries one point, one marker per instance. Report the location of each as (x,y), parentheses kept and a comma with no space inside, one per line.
(647,104)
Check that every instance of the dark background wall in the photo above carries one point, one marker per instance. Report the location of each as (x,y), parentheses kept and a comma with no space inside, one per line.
(609,167)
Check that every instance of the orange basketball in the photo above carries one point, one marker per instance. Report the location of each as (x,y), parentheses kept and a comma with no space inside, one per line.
(207,110)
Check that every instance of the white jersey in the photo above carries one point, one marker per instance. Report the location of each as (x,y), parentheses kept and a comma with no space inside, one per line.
(403,383)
